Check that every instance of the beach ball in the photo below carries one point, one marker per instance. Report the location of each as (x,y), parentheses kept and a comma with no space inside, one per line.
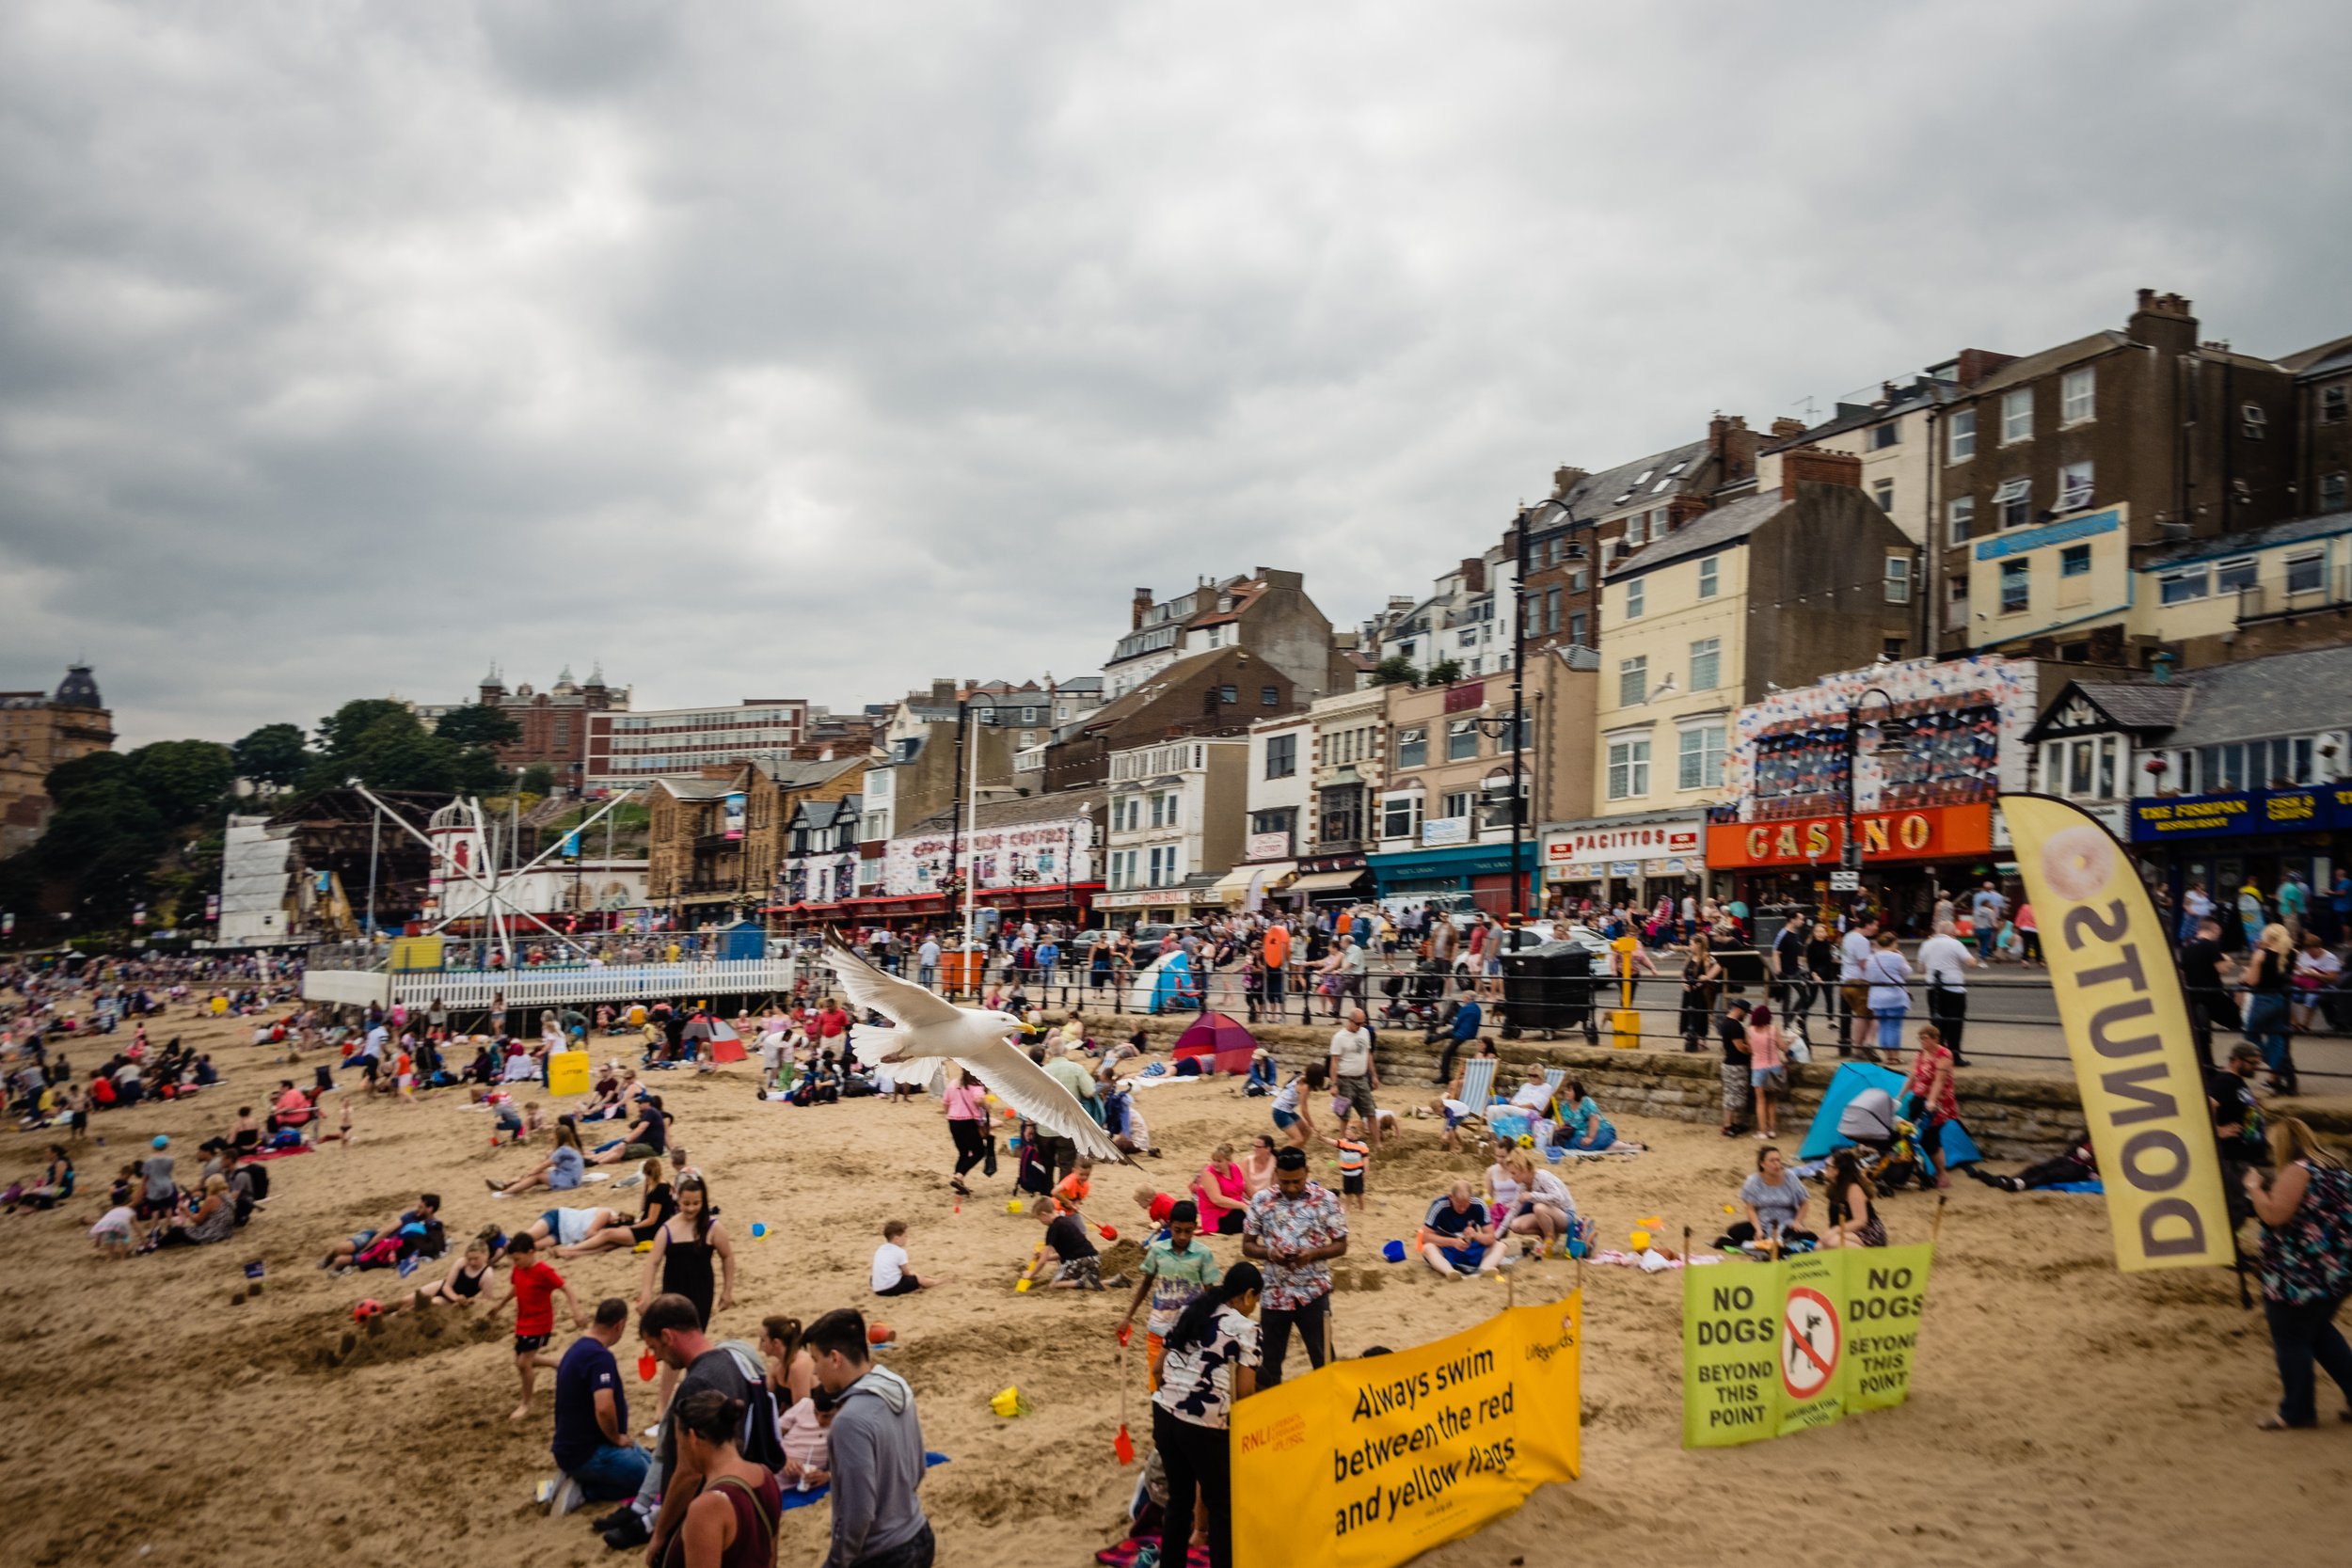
(880,1334)
(1393,1252)
(1527,1140)
(367,1309)
(760,1230)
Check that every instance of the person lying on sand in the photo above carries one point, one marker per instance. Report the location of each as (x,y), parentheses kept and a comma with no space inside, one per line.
(658,1207)
(427,1212)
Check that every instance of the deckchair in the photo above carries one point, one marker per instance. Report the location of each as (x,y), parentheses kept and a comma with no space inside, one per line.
(1478,1083)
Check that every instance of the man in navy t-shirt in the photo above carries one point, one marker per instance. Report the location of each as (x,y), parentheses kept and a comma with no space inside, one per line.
(592,1441)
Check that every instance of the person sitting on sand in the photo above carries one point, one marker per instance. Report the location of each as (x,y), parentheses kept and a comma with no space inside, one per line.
(532,1287)
(1451,1105)
(792,1370)
(1222,1192)
(461,1286)
(1544,1211)
(648,1137)
(212,1219)
(806,1429)
(1853,1214)
(1120,1119)
(1460,1219)
(560,1172)
(1775,1200)
(892,1278)
(1581,1125)
(1067,1255)
(1256,1166)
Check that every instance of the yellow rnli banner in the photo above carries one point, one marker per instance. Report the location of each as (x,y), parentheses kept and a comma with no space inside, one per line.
(1372,1461)
(2126,1018)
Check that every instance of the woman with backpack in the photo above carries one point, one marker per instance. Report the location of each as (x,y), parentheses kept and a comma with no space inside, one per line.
(2305,1205)
(1211,1361)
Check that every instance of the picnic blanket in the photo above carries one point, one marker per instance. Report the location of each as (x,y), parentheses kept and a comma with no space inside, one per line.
(281,1153)
(1123,1555)
(795,1499)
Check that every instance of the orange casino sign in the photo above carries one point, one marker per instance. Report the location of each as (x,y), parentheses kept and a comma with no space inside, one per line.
(1917,833)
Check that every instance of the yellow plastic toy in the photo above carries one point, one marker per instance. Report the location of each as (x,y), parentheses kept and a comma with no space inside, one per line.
(1640,1241)
(1021,1285)
(1008,1402)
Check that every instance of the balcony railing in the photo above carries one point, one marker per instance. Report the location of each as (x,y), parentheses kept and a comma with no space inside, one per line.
(2263,601)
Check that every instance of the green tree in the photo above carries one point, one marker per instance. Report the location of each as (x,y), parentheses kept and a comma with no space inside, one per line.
(185,781)
(1444,672)
(478,725)
(538,778)
(340,731)
(274,754)
(1395,670)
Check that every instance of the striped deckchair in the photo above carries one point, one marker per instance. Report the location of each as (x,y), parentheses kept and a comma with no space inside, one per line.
(1478,1083)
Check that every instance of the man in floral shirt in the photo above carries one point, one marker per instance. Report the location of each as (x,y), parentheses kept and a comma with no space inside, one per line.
(1294,1228)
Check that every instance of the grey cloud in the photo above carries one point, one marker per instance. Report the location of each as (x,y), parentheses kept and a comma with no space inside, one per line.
(762,348)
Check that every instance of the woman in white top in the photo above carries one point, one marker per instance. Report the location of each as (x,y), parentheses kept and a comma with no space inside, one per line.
(1503,1187)
(1545,1208)
(1212,1362)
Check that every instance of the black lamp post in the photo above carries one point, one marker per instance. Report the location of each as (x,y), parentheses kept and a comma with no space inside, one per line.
(1893,734)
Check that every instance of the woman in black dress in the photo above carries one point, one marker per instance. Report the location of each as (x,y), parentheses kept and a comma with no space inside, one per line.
(684,1250)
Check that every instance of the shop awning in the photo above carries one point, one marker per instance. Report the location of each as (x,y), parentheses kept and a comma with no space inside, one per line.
(1233,887)
(1327,881)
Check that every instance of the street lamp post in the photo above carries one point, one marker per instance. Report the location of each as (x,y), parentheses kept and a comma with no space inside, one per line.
(1493,728)
(1894,734)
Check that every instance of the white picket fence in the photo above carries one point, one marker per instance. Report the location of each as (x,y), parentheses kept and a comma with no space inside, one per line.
(472,990)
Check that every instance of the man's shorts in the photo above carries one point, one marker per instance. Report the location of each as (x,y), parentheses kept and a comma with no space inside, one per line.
(1735,1087)
(1858,999)
(530,1344)
(1357,1092)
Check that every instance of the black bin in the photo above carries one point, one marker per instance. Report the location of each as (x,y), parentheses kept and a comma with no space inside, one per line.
(1548,987)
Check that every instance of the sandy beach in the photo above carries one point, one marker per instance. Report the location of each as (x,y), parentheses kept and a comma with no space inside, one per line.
(2060,1411)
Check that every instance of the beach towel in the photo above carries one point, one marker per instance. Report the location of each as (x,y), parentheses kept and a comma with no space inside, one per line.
(281,1153)
(2092,1187)
(1478,1083)
(793,1497)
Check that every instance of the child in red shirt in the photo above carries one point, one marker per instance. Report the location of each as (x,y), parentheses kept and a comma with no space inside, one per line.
(532,1287)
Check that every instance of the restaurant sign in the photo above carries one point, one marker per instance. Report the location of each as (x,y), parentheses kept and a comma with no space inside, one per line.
(2252,811)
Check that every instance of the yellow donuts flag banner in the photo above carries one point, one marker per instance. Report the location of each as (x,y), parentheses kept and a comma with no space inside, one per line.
(2126,1019)
(1369,1462)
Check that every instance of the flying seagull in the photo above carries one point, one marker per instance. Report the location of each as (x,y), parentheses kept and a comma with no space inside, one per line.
(931,1028)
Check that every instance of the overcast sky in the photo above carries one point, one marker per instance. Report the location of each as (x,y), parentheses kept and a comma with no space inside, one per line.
(819,350)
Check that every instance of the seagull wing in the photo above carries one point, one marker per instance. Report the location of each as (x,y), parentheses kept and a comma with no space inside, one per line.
(902,1002)
(1034,1092)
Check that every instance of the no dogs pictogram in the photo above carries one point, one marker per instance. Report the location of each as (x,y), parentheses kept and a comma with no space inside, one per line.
(1810,1339)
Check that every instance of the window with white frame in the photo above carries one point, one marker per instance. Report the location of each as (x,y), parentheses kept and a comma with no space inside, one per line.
(2236,575)
(1699,759)
(1898,577)
(1634,599)
(2074,486)
(1632,681)
(1887,434)
(2257,421)
(1628,769)
(2016,415)
(1282,755)
(1400,814)
(1461,739)
(2016,587)
(1457,802)
(1706,664)
(2014,502)
(1711,576)
(2307,573)
(2079,395)
(1412,746)
(2189,582)
(1961,436)
(1883,492)
(1960,514)
(1637,530)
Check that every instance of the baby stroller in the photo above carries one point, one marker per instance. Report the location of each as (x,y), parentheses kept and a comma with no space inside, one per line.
(1891,1144)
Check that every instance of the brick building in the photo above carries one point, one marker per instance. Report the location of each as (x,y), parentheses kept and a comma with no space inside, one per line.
(554,722)
(1220,692)
(37,731)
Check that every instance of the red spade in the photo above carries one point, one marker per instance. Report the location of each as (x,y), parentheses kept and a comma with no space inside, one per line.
(646,1366)
(1123,1445)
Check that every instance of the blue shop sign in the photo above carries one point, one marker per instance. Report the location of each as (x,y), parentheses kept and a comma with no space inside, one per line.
(2050,533)
(2238,812)
(1471,860)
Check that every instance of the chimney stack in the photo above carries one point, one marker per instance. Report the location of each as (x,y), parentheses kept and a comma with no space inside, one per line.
(1143,607)
(1564,479)
(1785,427)
(1816,465)
(943,693)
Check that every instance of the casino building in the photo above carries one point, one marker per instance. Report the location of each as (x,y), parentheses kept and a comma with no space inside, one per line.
(1935,743)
